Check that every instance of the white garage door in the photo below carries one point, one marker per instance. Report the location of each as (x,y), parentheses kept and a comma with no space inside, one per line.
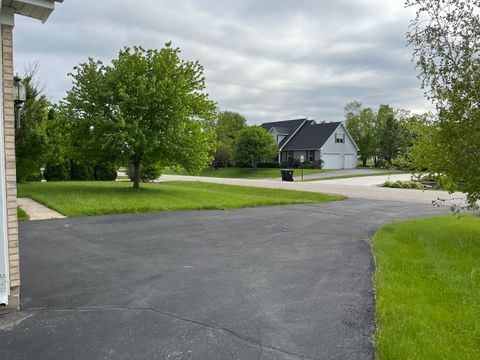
(350,161)
(332,161)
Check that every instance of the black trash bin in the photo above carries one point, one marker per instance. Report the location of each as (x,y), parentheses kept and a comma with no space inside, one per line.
(287,175)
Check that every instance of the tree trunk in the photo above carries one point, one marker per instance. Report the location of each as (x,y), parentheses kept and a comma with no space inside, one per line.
(136,175)
(364,161)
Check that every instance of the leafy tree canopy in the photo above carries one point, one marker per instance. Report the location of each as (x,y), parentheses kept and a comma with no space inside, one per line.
(31,143)
(229,125)
(147,107)
(360,123)
(254,144)
(445,37)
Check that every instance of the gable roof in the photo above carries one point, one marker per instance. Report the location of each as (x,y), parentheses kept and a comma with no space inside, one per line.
(285,127)
(291,125)
(281,130)
(312,136)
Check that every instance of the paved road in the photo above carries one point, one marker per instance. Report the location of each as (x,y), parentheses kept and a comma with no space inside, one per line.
(368,180)
(344,172)
(336,187)
(285,282)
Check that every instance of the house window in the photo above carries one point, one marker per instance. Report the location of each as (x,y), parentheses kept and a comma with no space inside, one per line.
(289,156)
(339,138)
(311,155)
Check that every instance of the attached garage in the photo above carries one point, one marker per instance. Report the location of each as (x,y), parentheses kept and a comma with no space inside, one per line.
(332,161)
(349,161)
(339,161)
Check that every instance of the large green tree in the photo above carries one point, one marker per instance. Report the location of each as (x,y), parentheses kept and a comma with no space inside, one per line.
(360,123)
(390,138)
(254,144)
(31,143)
(229,124)
(445,37)
(147,107)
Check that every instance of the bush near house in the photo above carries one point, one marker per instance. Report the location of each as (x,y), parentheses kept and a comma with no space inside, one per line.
(75,171)
(57,172)
(269,165)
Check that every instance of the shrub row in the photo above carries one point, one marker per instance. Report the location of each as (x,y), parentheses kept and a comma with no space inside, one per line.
(296,164)
(71,170)
(404,185)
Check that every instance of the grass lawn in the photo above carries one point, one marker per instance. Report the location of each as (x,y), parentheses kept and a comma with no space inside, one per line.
(428,289)
(21,214)
(359,175)
(97,198)
(243,173)
(370,164)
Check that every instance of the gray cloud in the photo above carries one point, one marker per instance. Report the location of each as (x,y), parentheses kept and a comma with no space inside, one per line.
(267,59)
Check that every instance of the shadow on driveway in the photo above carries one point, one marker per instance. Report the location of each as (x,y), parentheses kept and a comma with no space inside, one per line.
(285,282)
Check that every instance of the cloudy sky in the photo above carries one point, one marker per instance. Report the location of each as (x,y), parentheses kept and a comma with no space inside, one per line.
(267,59)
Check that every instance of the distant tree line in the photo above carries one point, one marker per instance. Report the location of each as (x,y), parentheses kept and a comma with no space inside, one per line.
(385,135)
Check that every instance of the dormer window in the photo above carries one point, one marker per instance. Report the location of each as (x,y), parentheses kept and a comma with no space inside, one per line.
(339,138)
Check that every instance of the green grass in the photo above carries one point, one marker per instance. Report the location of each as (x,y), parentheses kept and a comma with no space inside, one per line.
(428,289)
(243,173)
(97,198)
(360,175)
(21,214)
(370,164)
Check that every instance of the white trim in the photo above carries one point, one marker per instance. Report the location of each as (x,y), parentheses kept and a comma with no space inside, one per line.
(49,4)
(37,9)
(4,265)
(351,138)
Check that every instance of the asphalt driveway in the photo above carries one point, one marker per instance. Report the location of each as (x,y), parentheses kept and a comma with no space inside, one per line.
(285,282)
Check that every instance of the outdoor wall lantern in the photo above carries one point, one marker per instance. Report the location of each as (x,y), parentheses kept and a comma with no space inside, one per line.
(20,96)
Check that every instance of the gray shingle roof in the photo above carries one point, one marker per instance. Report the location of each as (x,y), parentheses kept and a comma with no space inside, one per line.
(312,136)
(287,127)
(290,125)
(282,130)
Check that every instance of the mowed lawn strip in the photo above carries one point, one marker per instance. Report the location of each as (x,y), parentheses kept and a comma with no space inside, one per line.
(244,173)
(100,198)
(428,289)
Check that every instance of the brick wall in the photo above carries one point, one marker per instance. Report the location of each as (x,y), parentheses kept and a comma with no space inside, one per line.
(10,171)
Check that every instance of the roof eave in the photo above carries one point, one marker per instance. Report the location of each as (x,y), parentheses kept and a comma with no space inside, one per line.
(36,9)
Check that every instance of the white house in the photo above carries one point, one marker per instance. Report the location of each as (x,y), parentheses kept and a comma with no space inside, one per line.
(327,143)
(9,249)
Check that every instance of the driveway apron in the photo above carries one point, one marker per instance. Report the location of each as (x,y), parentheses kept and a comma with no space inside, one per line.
(283,282)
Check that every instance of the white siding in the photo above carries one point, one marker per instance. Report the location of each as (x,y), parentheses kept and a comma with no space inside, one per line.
(339,155)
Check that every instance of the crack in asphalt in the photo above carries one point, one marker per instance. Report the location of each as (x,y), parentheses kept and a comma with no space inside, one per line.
(247,340)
